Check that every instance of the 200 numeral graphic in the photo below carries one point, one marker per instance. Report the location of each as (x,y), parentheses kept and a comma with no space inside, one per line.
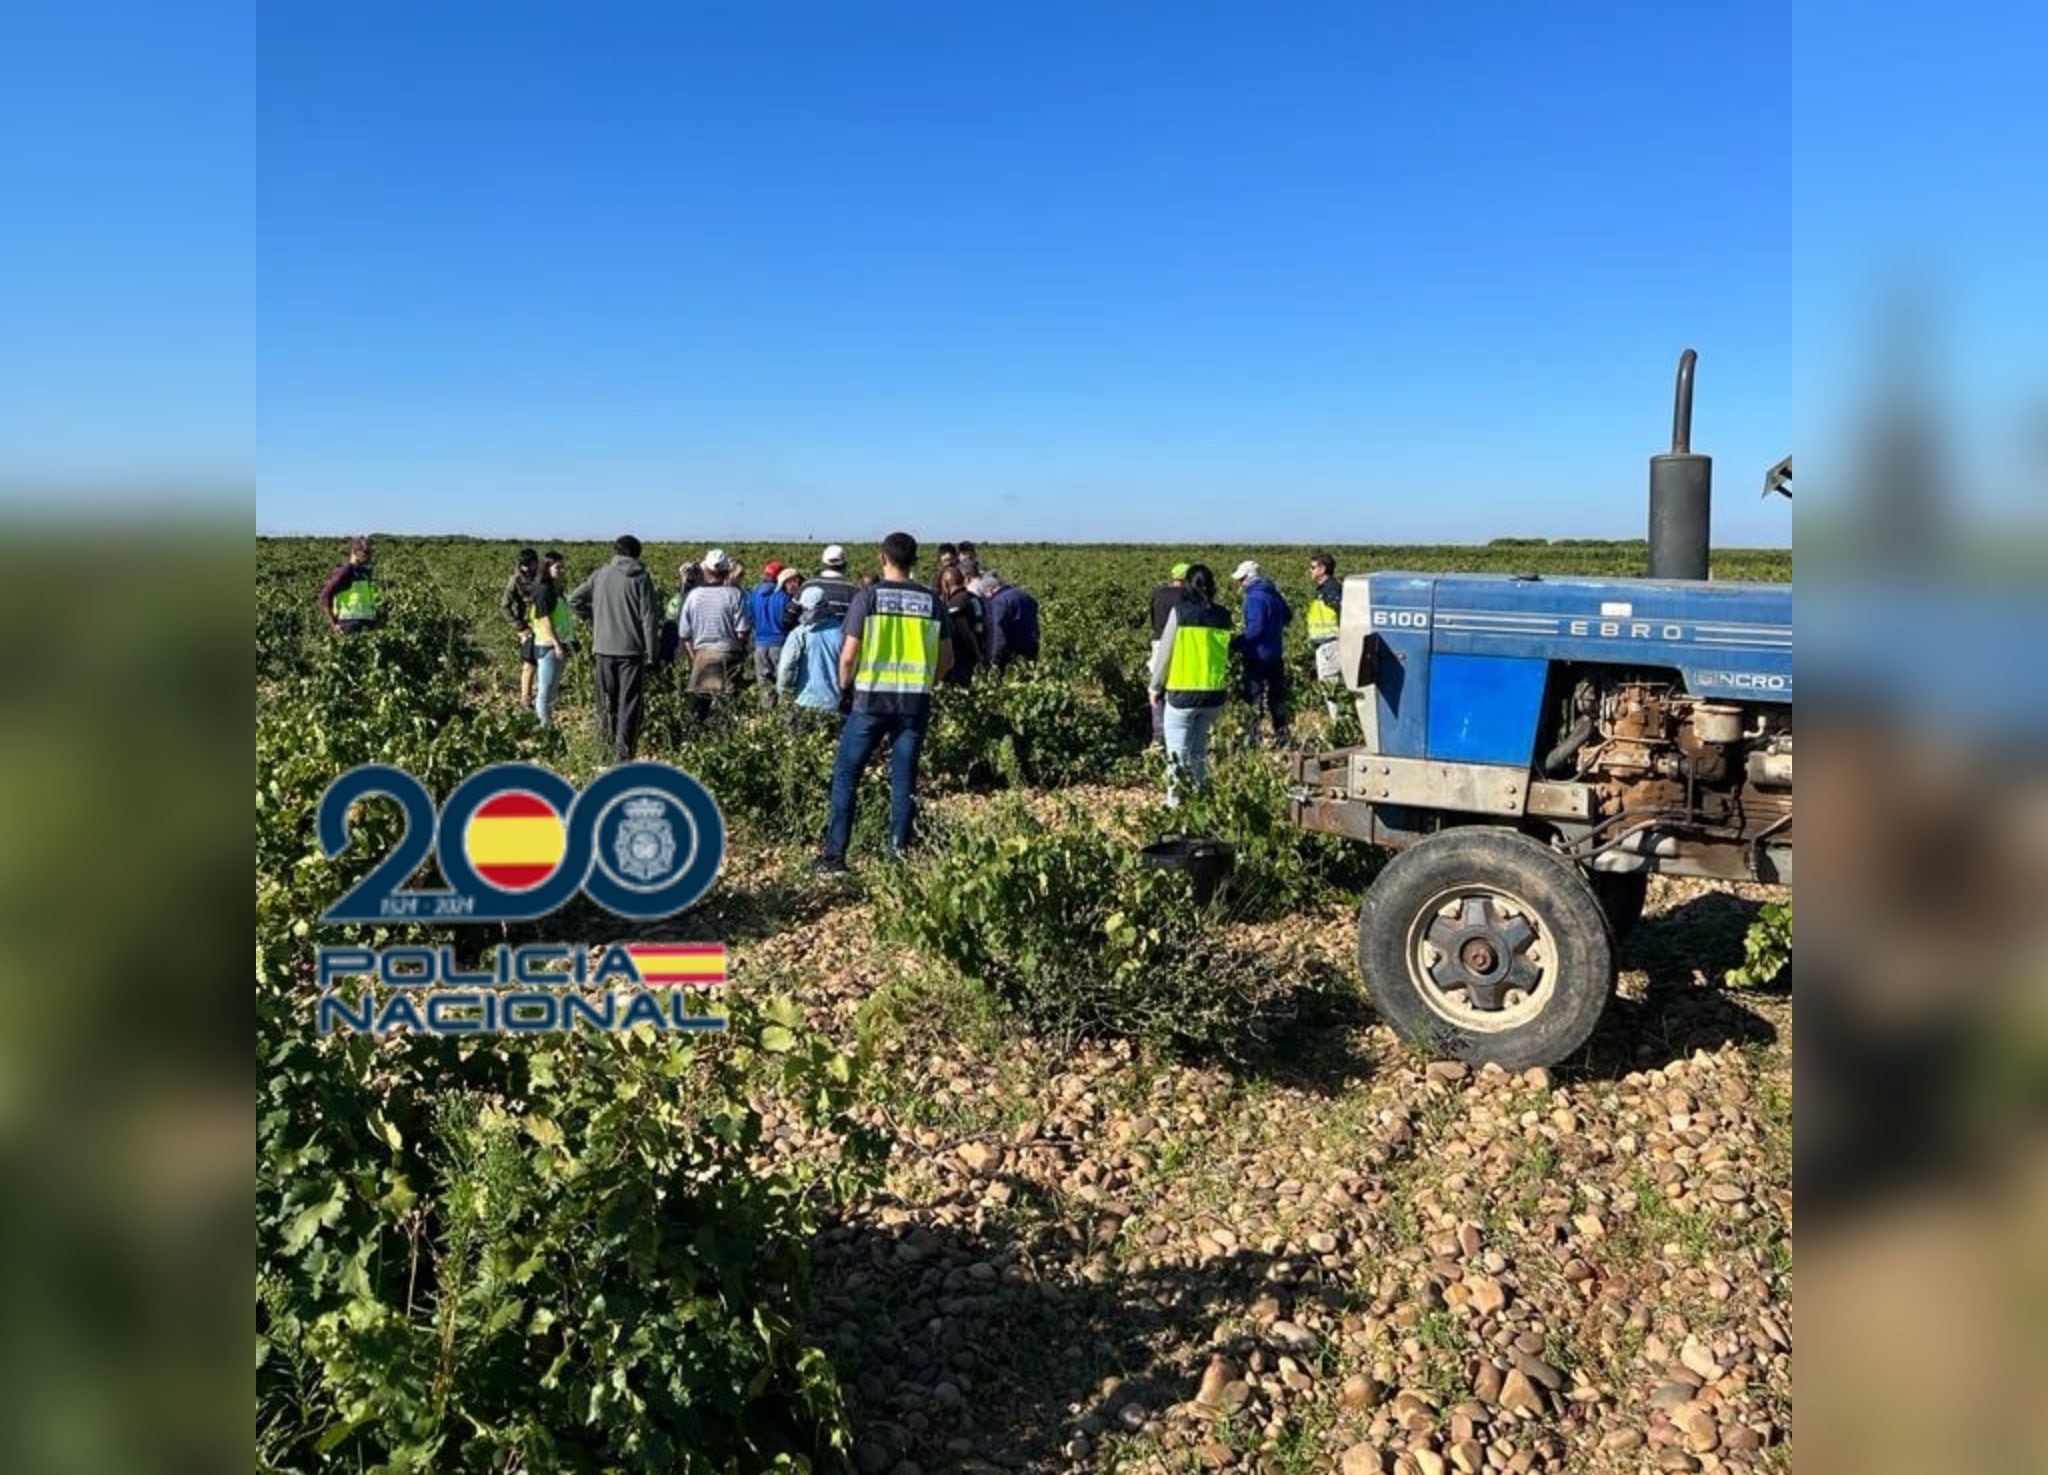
(516,842)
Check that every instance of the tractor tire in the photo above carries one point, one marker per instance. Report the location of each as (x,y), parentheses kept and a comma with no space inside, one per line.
(1480,944)
(1621,894)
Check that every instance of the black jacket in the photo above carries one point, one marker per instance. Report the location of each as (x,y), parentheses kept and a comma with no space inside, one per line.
(969,623)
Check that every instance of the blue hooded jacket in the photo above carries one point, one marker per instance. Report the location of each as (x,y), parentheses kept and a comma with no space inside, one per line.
(1266,617)
(765,604)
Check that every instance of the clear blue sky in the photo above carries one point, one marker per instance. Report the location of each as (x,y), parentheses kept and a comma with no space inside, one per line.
(1093,270)
(1080,270)
(127,248)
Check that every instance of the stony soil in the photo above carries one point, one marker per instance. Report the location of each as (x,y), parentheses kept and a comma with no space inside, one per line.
(1338,1257)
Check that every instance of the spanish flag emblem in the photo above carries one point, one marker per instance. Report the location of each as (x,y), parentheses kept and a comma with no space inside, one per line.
(698,964)
(515,840)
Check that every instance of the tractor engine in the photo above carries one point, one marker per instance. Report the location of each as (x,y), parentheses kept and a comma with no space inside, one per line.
(1650,751)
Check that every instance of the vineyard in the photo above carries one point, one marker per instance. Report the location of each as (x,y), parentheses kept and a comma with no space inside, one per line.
(1013,1157)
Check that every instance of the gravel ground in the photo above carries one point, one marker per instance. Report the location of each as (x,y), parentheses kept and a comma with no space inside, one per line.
(1338,1257)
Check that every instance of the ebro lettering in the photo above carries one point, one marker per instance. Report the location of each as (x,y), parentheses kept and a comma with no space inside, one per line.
(537,988)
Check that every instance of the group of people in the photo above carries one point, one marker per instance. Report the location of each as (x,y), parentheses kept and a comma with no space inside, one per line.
(792,626)
(870,648)
(1192,642)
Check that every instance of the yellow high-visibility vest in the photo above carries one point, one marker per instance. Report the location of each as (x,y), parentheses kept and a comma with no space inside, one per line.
(899,644)
(1200,658)
(358,601)
(1198,665)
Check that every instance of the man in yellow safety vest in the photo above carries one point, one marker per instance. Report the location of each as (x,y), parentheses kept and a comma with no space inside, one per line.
(349,597)
(895,649)
(1325,612)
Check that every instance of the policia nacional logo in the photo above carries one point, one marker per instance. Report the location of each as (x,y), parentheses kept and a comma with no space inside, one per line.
(515,842)
(644,842)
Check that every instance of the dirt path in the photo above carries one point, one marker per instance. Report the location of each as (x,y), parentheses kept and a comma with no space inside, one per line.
(1339,1257)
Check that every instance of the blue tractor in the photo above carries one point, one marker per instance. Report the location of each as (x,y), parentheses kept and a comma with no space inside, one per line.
(1535,747)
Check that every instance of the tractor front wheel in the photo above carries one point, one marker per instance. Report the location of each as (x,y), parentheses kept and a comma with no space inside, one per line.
(1481,944)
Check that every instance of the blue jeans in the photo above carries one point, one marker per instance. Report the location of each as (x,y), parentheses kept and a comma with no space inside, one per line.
(1187,745)
(548,664)
(862,733)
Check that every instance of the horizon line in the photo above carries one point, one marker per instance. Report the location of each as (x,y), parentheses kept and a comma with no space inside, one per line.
(1025,541)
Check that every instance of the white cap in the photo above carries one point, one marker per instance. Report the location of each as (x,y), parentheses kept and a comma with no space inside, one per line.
(811,598)
(715,559)
(1245,570)
(834,556)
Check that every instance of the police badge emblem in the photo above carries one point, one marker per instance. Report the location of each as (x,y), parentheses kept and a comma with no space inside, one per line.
(644,845)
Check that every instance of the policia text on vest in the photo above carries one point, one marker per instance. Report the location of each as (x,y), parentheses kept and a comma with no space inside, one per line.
(896,665)
(895,651)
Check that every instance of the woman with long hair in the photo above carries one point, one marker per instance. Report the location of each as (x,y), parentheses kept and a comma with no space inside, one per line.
(554,633)
(1191,677)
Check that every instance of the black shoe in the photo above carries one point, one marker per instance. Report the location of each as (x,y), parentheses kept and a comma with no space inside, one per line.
(827,865)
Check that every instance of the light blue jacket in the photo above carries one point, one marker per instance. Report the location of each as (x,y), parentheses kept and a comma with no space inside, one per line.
(810,665)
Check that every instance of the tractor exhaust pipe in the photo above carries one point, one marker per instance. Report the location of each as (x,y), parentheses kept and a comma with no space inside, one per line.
(1681,492)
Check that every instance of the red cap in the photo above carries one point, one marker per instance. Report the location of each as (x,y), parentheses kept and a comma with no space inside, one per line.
(772,567)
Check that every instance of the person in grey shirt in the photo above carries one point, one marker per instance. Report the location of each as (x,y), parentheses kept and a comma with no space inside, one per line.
(713,629)
(618,605)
